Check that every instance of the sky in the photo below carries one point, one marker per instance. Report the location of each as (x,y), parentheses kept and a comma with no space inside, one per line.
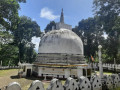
(44,11)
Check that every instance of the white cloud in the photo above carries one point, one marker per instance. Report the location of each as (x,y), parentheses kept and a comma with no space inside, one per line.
(36,42)
(48,14)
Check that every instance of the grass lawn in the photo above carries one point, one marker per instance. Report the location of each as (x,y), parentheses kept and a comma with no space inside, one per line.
(6,72)
(106,73)
(10,75)
(117,89)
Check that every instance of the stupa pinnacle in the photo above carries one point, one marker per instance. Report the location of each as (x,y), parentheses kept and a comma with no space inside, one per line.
(61,24)
(62,17)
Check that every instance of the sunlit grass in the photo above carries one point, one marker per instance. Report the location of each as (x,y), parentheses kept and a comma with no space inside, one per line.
(6,72)
(106,73)
(117,88)
(26,82)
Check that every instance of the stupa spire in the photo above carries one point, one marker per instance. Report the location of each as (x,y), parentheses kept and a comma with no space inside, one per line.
(62,17)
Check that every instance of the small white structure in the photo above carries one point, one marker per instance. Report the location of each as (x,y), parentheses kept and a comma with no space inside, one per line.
(26,70)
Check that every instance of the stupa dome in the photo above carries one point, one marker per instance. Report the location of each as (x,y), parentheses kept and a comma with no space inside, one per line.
(61,41)
(60,46)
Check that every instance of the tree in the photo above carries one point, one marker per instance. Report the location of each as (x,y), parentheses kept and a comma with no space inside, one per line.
(30,54)
(49,26)
(23,34)
(9,53)
(108,11)
(91,34)
(24,1)
(108,15)
(9,13)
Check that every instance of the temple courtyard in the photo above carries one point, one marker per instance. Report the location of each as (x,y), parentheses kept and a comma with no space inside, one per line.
(10,75)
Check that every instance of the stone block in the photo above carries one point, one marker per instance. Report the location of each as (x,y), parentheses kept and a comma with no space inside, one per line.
(13,86)
(71,84)
(36,85)
(109,82)
(116,80)
(84,83)
(96,83)
(55,84)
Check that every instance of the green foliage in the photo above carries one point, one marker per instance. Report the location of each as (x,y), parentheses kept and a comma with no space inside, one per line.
(108,12)
(5,37)
(23,36)
(9,53)
(24,1)
(17,29)
(91,34)
(9,14)
(26,30)
(30,54)
(49,26)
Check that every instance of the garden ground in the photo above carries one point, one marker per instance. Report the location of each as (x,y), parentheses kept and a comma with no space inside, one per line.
(10,75)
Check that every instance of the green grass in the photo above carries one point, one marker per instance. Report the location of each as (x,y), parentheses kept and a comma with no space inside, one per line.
(6,72)
(106,73)
(117,88)
(25,83)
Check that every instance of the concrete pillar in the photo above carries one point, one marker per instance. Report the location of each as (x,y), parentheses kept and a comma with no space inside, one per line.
(114,65)
(40,71)
(67,73)
(1,62)
(100,62)
(86,71)
(79,71)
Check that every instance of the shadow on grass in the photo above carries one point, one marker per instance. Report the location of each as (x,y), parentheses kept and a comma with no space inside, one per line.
(15,77)
(29,78)
(34,78)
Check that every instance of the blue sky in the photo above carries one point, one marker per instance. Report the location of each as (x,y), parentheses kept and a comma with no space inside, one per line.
(44,11)
(74,10)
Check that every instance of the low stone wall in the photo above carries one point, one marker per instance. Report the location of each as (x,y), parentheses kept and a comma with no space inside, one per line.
(9,67)
(109,82)
(106,66)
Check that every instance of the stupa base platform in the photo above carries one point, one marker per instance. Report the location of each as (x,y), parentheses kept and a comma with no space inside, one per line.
(61,71)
